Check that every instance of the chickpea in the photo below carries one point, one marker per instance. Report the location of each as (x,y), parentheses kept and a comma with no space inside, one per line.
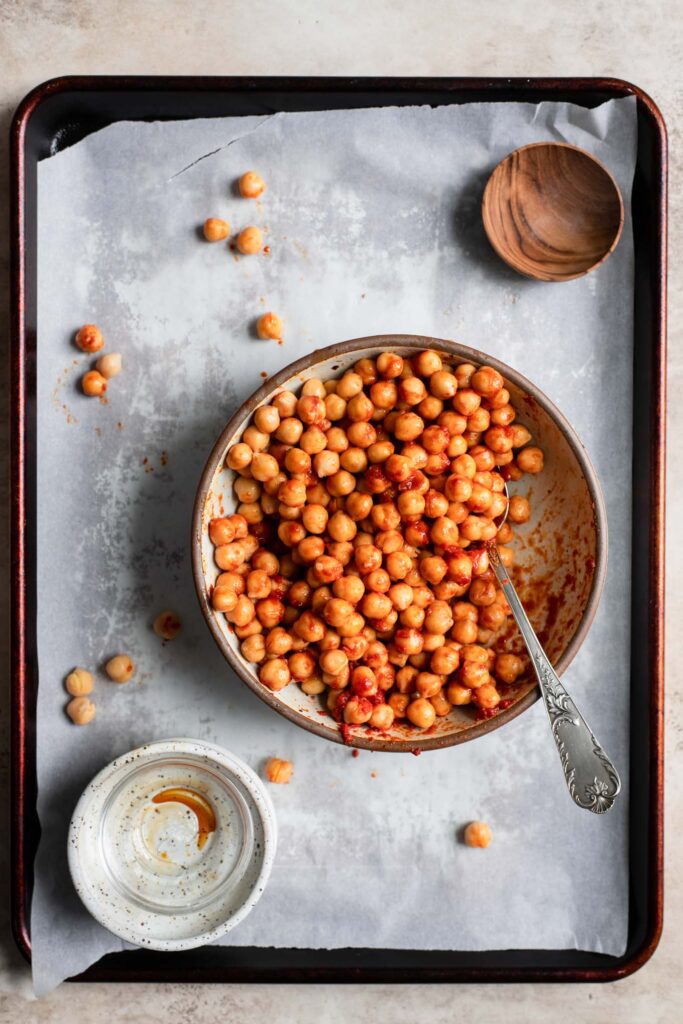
(478,833)
(427,363)
(334,662)
(499,439)
(408,426)
(243,613)
(240,456)
(89,338)
(249,241)
(301,665)
(466,401)
(349,588)
(530,460)
(80,710)
(363,681)
(503,417)
(519,509)
(382,717)
(216,229)
(354,460)
(427,684)
(93,384)
(480,499)
(251,185)
(109,365)
(279,771)
(430,407)
(269,326)
(458,695)
(341,527)
(120,668)
(443,384)
(351,384)
(359,409)
(520,435)
(398,468)
(253,648)
(384,394)
(487,697)
(167,625)
(464,373)
(408,640)
(313,686)
(367,371)
(486,381)
(256,439)
(79,683)
(464,631)
(445,660)
(482,592)
(337,441)
(411,391)
(357,711)
(444,532)
(278,642)
(441,705)
(398,702)
(375,605)
(341,483)
(275,674)
(389,365)
(421,713)
(508,668)
(292,493)
(411,503)
(472,674)
(438,618)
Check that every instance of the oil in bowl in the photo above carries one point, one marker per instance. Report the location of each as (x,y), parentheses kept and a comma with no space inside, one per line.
(171,845)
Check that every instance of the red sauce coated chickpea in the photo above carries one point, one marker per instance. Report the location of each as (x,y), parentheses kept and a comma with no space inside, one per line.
(421,713)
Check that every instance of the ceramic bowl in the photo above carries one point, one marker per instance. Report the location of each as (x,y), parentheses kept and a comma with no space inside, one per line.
(561,553)
(145,867)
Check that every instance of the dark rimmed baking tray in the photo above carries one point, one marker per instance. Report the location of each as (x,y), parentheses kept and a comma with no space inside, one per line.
(65,110)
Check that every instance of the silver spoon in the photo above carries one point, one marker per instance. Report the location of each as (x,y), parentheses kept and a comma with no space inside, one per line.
(591,778)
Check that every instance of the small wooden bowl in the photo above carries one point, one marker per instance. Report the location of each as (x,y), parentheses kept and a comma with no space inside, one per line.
(552,211)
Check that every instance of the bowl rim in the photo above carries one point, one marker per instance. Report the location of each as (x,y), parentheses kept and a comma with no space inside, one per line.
(382,343)
(493,239)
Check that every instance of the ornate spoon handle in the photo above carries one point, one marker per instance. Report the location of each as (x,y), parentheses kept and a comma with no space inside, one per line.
(591,777)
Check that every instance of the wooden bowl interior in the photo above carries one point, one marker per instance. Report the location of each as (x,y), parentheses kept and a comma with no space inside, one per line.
(552,211)
(557,551)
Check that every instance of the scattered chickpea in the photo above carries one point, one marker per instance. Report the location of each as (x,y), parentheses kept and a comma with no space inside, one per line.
(109,365)
(79,683)
(120,668)
(80,710)
(279,771)
(384,487)
(478,833)
(167,625)
(249,241)
(93,384)
(269,326)
(251,185)
(89,338)
(215,229)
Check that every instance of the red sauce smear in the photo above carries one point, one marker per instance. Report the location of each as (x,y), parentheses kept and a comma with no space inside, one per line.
(206,818)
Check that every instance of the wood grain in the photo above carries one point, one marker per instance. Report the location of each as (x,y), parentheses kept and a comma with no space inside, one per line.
(552,211)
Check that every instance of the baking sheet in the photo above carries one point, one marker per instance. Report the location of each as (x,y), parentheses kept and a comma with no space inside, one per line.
(373,223)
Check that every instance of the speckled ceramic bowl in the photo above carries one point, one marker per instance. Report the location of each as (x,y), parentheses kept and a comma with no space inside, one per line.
(148,869)
(561,553)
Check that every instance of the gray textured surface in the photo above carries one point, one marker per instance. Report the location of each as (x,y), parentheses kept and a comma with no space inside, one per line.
(41,39)
(372,218)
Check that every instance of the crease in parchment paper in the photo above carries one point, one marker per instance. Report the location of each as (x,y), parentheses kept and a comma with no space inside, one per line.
(227,145)
(374,225)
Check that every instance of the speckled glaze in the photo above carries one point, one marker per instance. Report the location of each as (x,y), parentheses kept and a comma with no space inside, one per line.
(137,866)
(565,540)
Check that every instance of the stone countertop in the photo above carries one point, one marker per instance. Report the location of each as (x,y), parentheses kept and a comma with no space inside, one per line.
(637,41)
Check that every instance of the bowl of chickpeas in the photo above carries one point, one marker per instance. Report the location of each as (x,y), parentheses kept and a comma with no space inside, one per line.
(341,533)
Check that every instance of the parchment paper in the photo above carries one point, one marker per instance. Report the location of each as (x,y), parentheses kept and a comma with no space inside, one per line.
(373,221)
